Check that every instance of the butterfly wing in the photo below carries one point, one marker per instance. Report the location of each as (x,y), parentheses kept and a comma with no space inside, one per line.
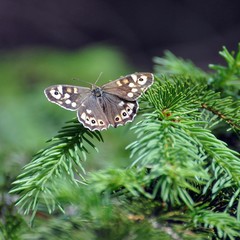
(67,96)
(99,113)
(118,111)
(91,114)
(130,87)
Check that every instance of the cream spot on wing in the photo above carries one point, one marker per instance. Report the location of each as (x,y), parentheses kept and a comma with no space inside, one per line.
(100,122)
(131,85)
(130,94)
(66,95)
(142,80)
(131,105)
(93,122)
(69,90)
(60,102)
(89,111)
(59,88)
(83,105)
(75,90)
(119,83)
(83,116)
(124,114)
(121,104)
(55,94)
(74,104)
(134,77)
(117,118)
(129,110)
(125,81)
(68,101)
(134,90)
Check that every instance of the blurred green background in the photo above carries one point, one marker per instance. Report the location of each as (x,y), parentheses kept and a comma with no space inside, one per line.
(28,119)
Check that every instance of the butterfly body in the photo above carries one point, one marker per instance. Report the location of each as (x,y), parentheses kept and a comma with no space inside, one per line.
(113,104)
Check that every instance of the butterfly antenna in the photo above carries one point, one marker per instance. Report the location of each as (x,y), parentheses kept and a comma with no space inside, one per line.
(78,79)
(98,78)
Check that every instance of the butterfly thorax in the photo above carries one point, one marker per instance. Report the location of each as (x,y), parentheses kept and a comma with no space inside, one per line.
(97,92)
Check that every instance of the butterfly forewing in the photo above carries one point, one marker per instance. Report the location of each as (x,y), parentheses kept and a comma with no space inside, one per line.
(115,103)
(67,96)
(130,87)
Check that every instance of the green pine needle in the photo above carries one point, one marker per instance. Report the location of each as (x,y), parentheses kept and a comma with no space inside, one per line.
(61,158)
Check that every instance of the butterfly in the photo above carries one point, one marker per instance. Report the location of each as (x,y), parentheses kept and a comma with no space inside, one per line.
(113,104)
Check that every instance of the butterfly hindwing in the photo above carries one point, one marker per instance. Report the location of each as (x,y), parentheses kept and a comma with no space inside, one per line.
(110,110)
(118,111)
(90,114)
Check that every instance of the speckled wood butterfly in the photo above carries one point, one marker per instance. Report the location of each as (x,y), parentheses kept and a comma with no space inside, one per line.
(113,104)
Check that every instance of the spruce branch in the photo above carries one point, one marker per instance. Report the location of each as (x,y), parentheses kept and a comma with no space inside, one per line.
(224,79)
(227,76)
(169,64)
(115,180)
(225,225)
(175,144)
(225,108)
(63,157)
(173,160)
(102,208)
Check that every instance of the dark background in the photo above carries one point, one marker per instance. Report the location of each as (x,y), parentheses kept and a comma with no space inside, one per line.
(141,29)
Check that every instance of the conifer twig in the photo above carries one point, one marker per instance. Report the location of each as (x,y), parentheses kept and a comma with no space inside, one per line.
(63,157)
